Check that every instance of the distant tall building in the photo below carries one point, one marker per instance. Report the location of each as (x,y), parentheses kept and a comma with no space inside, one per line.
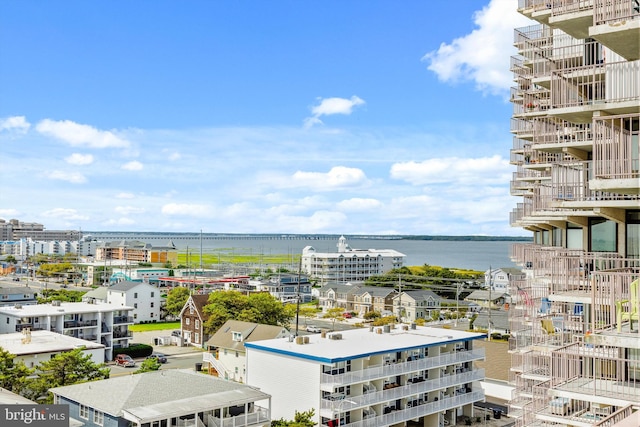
(348,264)
(136,251)
(16,230)
(575,340)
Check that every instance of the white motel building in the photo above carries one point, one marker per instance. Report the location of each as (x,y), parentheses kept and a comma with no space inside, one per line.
(371,377)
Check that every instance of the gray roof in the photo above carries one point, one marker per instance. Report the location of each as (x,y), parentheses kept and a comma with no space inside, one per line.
(125,285)
(421,294)
(164,393)
(97,293)
(499,319)
(16,290)
(374,291)
(251,332)
(482,295)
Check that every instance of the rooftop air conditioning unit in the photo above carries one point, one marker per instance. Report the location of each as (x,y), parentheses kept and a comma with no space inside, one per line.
(336,336)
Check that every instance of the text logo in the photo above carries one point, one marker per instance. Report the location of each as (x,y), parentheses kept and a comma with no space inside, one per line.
(34,415)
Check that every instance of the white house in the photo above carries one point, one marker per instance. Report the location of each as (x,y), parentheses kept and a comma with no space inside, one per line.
(34,347)
(384,375)
(101,323)
(143,297)
(226,355)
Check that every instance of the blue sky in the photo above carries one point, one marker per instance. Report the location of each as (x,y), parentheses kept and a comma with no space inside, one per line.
(373,117)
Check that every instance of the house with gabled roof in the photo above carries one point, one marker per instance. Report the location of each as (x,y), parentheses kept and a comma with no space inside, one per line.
(22,295)
(192,318)
(171,397)
(226,357)
(416,304)
(143,297)
(488,298)
(373,298)
(337,295)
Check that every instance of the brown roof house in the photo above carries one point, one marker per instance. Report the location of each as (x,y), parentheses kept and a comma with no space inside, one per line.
(192,318)
(226,357)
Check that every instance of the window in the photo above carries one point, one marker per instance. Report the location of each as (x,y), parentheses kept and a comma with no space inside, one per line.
(633,234)
(603,235)
(135,295)
(152,294)
(197,324)
(196,337)
(237,354)
(190,310)
(151,304)
(187,320)
(98,417)
(84,412)
(237,336)
(135,305)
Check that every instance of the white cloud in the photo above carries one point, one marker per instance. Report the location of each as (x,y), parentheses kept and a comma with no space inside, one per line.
(330,106)
(73,177)
(186,209)
(66,214)
(119,222)
(17,123)
(128,210)
(357,204)
(9,213)
(338,177)
(79,159)
(133,166)
(125,196)
(483,55)
(485,170)
(80,135)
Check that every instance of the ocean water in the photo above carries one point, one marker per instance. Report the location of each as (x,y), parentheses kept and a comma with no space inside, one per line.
(474,255)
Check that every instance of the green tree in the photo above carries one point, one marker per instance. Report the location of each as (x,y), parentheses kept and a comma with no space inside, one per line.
(11,259)
(308,312)
(13,375)
(148,365)
(66,368)
(176,299)
(334,313)
(257,308)
(372,315)
(300,419)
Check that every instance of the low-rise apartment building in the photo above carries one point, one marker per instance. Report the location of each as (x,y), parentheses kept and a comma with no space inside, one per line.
(102,323)
(371,377)
(34,347)
(143,297)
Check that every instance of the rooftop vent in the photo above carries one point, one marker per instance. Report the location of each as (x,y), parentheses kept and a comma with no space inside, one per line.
(387,329)
(335,336)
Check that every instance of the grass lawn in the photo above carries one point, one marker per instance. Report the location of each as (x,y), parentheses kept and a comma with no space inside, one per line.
(145,327)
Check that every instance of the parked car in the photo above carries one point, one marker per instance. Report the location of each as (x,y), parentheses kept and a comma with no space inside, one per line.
(313,329)
(125,360)
(160,358)
(346,315)
(176,333)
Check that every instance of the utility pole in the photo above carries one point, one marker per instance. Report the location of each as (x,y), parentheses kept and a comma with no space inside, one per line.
(298,297)
(490,286)
(400,297)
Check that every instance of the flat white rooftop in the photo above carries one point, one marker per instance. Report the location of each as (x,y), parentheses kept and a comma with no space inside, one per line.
(357,343)
(63,308)
(42,342)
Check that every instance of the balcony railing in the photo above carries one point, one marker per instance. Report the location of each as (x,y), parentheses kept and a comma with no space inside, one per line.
(616,147)
(606,11)
(595,84)
(409,390)
(259,417)
(80,324)
(394,369)
(402,415)
(561,7)
(122,319)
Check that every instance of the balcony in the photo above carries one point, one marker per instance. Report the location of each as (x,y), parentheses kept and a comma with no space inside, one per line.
(401,415)
(79,324)
(617,26)
(122,319)
(328,382)
(122,334)
(573,17)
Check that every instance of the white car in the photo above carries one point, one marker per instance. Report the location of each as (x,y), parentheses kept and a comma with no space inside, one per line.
(313,329)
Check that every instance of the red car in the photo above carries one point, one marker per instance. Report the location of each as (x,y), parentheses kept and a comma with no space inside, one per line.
(125,360)
(346,315)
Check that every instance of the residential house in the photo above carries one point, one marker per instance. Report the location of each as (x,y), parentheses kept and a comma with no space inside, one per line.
(96,295)
(412,305)
(499,278)
(378,376)
(22,295)
(348,264)
(337,295)
(288,287)
(497,322)
(34,347)
(165,398)
(373,298)
(226,357)
(488,299)
(143,297)
(102,323)
(192,319)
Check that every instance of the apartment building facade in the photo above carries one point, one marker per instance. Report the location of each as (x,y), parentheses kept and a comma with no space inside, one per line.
(102,323)
(136,251)
(348,264)
(575,342)
(373,377)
